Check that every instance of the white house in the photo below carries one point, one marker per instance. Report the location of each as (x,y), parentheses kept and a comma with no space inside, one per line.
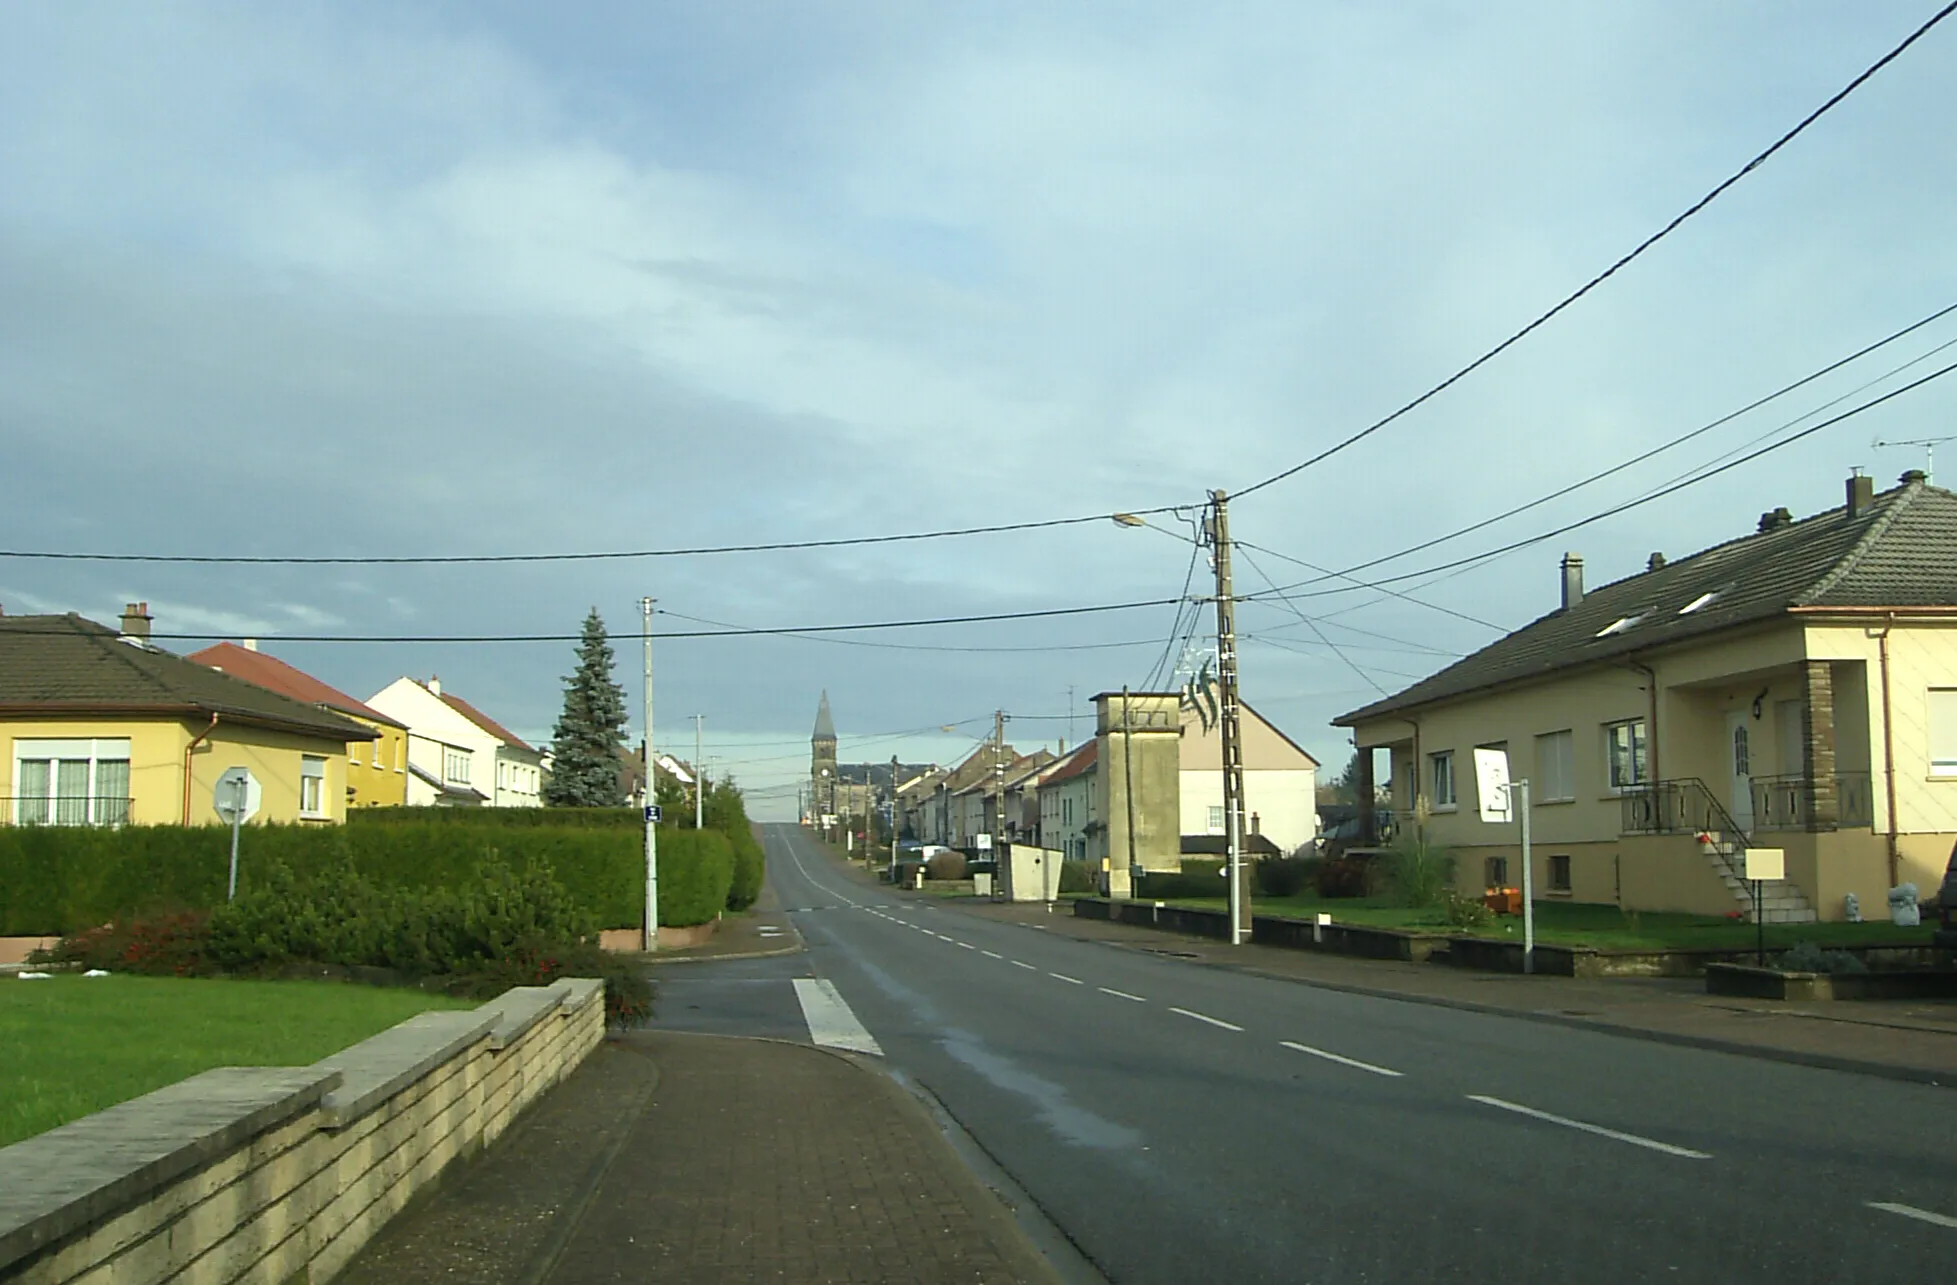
(1280,781)
(1066,792)
(457,755)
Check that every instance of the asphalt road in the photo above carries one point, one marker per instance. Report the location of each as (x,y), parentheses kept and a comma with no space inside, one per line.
(1181,1123)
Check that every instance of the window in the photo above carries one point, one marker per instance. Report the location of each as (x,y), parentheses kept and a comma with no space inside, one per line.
(353,753)
(312,786)
(1943,731)
(1624,747)
(1216,820)
(1497,871)
(455,767)
(71,782)
(1555,767)
(1620,625)
(1441,775)
(1559,874)
(1699,603)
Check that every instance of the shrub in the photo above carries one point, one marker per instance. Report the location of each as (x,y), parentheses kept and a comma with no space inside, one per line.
(164,945)
(1200,878)
(750,868)
(1287,876)
(945,865)
(1809,957)
(1345,877)
(503,818)
(696,870)
(1419,872)
(1465,912)
(1074,878)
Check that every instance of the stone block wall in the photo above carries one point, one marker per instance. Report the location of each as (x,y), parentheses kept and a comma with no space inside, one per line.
(281,1174)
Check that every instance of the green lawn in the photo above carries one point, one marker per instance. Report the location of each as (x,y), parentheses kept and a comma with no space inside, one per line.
(1603,927)
(73,1045)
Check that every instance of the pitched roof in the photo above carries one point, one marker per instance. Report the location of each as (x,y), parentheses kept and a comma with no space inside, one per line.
(72,665)
(484,721)
(1078,762)
(1899,552)
(276,675)
(825,726)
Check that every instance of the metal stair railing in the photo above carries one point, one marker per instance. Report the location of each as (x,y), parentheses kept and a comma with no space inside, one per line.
(1686,806)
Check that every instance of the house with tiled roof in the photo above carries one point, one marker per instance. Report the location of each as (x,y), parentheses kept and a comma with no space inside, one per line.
(377,772)
(1794,689)
(1280,800)
(459,756)
(101,727)
(1066,799)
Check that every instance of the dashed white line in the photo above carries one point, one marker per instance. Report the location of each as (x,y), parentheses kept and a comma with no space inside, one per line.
(1109,990)
(1342,1061)
(967,945)
(1632,1138)
(1911,1211)
(1063,977)
(1018,964)
(1204,1017)
(992,954)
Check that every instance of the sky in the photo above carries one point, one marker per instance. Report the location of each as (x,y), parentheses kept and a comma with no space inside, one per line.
(409,279)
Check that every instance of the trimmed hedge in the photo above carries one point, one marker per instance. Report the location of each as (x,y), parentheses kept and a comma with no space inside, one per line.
(61,879)
(509,818)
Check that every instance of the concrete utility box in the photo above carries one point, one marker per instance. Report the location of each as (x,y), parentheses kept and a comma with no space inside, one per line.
(1138,739)
(1027,873)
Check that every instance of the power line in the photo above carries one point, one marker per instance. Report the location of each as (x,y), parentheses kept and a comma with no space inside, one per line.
(612,555)
(1607,273)
(1647,498)
(861,642)
(1363,584)
(1336,649)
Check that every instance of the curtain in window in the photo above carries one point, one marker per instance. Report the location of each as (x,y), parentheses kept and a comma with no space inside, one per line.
(71,792)
(112,792)
(32,788)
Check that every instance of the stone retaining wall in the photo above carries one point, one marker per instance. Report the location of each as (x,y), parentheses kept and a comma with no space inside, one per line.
(281,1174)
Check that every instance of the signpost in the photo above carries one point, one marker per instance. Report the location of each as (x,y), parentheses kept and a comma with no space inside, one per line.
(236,799)
(1763,864)
(1502,800)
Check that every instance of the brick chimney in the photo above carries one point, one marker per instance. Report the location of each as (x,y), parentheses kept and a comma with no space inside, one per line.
(1861,495)
(136,621)
(1572,580)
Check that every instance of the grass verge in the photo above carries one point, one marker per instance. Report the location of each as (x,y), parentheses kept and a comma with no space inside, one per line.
(71,1045)
(1601,927)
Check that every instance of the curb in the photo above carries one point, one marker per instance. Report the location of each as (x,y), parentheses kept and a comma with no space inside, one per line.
(1712,1043)
(660,961)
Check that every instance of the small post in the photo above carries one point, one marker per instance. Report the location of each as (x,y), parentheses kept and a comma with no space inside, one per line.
(699,773)
(237,820)
(652,774)
(1528,883)
(1759,929)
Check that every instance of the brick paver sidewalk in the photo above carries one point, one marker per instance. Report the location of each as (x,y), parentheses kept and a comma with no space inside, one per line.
(703,1158)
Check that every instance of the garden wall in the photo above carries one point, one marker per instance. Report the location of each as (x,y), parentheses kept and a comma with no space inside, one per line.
(282,1174)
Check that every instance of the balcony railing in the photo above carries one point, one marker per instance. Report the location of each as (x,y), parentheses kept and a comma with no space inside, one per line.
(1684,806)
(79,809)
(1788,802)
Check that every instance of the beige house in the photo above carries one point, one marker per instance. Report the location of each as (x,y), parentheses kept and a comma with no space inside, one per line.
(1793,689)
(1280,780)
(1066,795)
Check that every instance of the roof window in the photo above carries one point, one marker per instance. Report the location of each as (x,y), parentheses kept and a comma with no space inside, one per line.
(1699,603)
(1621,624)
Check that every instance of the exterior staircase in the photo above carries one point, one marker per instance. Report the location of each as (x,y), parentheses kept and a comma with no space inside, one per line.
(1781,900)
(1686,806)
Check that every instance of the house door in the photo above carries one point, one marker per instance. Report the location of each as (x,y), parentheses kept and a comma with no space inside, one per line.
(1739,763)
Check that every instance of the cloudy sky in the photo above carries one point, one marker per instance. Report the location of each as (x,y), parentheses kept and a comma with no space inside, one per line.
(409,278)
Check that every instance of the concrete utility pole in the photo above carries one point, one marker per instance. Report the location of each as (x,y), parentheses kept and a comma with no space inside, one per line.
(998,767)
(652,826)
(1128,784)
(699,773)
(1232,738)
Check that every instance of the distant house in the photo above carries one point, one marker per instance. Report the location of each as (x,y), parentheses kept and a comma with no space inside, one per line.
(457,755)
(103,728)
(1792,689)
(377,773)
(1280,782)
(1066,798)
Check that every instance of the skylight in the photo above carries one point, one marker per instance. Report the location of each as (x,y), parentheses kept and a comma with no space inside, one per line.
(1699,603)
(1620,624)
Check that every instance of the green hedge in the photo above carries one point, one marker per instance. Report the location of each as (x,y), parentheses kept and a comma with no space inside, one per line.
(1197,878)
(505,818)
(59,879)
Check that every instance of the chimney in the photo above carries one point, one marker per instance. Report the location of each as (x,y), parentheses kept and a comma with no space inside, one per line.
(435,684)
(1656,562)
(136,621)
(1775,519)
(1914,475)
(1861,495)
(1572,580)
(251,644)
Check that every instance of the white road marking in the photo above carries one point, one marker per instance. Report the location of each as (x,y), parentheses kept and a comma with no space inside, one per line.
(992,954)
(1598,1129)
(1342,1061)
(1017,964)
(1911,1211)
(967,945)
(831,1022)
(1063,977)
(1105,990)
(1203,1017)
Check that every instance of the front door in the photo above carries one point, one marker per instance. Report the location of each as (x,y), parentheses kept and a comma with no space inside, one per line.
(1739,762)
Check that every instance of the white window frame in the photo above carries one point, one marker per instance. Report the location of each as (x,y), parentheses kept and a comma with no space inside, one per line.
(94,751)
(1638,749)
(1440,772)
(1215,819)
(1555,750)
(1941,721)
(312,786)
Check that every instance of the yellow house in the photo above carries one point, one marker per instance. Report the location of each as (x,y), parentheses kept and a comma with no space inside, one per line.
(101,728)
(377,773)
(1794,689)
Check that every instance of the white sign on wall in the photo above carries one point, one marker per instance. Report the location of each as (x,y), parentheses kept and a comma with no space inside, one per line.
(1492,785)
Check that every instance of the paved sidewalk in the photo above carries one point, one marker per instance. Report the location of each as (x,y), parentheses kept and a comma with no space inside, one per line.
(704,1158)
(1902,1039)
(763,929)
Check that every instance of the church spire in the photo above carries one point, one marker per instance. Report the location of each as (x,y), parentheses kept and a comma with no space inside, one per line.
(825,726)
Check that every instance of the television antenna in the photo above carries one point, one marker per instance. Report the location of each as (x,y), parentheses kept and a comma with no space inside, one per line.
(1929,445)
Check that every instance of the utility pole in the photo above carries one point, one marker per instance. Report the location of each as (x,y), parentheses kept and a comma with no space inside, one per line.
(999,792)
(1226,685)
(1128,786)
(893,816)
(699,773)
(652,826)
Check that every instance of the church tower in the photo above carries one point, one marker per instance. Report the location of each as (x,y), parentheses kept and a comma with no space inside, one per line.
(822,761)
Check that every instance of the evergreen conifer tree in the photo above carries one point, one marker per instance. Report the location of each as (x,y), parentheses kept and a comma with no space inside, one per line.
(585,742)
